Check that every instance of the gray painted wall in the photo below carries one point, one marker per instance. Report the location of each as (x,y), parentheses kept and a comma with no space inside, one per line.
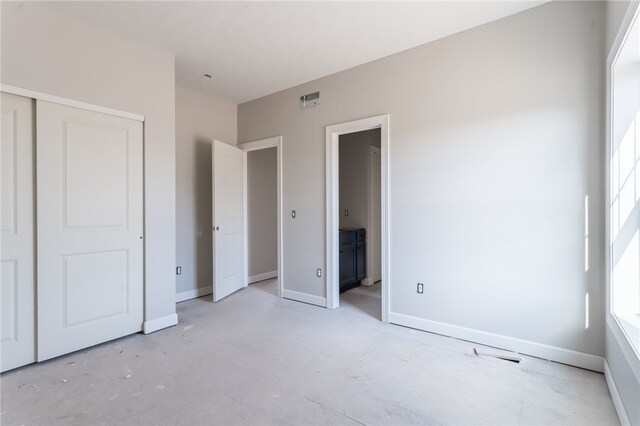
(496,138)
(51,53)
(354,176)
(262,208)
(199,120)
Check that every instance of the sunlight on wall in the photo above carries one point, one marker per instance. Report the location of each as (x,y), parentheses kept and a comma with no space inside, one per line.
(625,188)
(586,233)
(586,311)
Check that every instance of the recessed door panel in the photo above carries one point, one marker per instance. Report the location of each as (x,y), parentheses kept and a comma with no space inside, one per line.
(17,308)
(95,196)
(95,285)
(90,223)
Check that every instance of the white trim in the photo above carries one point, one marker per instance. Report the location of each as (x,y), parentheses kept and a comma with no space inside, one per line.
(623,31)
(273,142)
(526,347)
(624,346)
(615,396)
(304,297)
(369,281)
(245,217)
(333,133)
(264,276)
(193,293)
(68,102)
(159,323)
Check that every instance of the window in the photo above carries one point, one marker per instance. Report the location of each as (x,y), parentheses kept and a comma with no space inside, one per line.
(624,178)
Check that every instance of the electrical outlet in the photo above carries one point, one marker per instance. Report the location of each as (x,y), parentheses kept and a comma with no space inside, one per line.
(420,288)
(346,212)
(293,214)
(319,272)
(178,270)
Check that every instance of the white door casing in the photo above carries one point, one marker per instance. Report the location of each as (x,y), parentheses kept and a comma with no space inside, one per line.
(90,228)
(229,188)
(17,310)
(273,142)
(332,221)
(374,263)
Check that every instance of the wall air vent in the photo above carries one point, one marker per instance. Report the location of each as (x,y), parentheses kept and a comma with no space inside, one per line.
(310,100)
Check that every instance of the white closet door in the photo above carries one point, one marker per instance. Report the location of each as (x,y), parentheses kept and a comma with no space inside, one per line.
(17,311)
(90,224)
(228,164)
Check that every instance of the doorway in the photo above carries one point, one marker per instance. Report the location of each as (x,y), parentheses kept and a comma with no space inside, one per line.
(230,213)
(334,212)
(262,218)
(263,204)
(360,220)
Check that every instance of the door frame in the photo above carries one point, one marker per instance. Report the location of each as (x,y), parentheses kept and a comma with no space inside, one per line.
(371,249)
(273,142)
(333,133)
(33,94)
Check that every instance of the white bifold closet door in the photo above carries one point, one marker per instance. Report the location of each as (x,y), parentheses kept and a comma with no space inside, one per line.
(90,228)
(17,307)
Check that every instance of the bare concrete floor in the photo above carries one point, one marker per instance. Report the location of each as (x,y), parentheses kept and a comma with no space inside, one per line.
(256,359)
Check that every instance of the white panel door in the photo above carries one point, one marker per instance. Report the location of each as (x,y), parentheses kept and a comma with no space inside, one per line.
(228,164)
(17,311)
(90,224)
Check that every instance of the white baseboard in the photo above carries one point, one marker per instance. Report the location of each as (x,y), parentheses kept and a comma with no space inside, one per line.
(304,297)
(526,347)
(159,323)
(263,276)
(192,294)
(367,282)
(615,396)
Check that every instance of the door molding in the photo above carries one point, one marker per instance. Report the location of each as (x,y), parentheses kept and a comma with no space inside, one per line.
(273,142)
(68,102)
(333,133)
(371,249)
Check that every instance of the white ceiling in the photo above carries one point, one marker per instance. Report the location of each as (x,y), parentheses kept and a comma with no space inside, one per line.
(253,49)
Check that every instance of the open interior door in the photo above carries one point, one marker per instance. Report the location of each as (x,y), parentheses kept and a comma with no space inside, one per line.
(228,164)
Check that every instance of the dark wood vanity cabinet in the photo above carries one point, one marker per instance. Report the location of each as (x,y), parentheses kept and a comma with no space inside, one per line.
(353,257)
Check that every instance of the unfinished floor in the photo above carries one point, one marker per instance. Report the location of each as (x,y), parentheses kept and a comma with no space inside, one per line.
(256,359)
